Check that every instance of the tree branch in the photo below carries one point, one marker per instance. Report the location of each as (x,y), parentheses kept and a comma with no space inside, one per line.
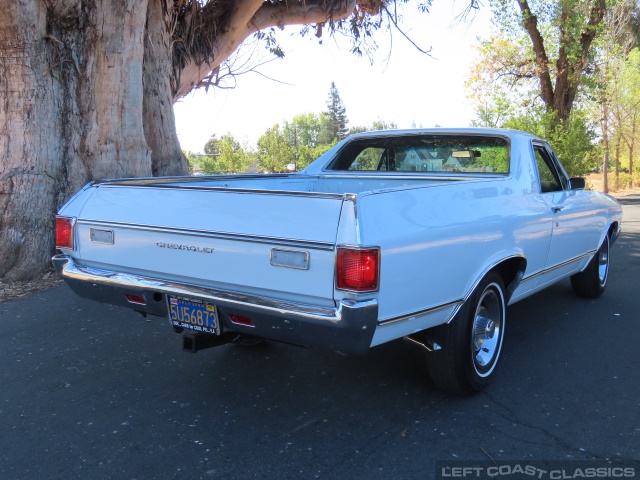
(530,23)
(251,16)
(569,72)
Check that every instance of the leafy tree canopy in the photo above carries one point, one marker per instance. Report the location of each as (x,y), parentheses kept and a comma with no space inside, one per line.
(573,143)
(274,152)
(540,50)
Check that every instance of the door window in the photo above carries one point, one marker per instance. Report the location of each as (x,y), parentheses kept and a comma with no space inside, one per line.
(550,181)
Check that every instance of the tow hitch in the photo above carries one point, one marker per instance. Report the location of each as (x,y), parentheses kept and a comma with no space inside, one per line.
(192,342)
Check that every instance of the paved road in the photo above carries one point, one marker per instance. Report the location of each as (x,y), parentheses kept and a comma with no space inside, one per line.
(92,391)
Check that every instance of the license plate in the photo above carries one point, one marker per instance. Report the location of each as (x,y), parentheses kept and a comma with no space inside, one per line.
(193,314)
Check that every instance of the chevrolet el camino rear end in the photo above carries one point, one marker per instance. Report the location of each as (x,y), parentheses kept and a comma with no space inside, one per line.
(426,235)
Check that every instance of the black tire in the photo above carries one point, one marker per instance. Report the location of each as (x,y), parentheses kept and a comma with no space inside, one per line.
(472,342)
(592,281)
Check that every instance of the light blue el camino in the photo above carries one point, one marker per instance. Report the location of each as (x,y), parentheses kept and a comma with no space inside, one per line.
(421,234)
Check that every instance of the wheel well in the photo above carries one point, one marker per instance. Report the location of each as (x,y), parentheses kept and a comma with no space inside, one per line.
(511,270)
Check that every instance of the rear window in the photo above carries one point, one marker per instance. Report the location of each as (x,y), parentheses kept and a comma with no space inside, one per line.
(427,153)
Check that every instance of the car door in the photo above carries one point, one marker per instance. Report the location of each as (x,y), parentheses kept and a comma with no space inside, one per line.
(575,229)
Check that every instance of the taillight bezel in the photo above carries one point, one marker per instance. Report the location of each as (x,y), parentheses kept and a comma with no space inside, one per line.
(70,224)
(369,287)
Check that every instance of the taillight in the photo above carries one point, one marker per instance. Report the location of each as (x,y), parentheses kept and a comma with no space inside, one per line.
(64,232)
(358,269)
(137,299)
(241,320)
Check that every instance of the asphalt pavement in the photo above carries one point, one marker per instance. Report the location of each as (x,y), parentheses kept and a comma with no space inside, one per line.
(92,391)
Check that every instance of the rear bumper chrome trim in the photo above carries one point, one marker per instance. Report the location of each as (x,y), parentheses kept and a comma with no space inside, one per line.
(349,328)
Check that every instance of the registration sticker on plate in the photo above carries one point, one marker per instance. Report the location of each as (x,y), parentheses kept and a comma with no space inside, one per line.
(193,314)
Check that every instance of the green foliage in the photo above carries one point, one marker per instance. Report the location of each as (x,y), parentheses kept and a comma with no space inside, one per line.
(623,181)
(494,112)
(572,141)
(492,159)
(624,105)
(274,152)
(368,159)
(224,155)
(307,154)
(540,52)
(378,124)
(304,129)
(202,164)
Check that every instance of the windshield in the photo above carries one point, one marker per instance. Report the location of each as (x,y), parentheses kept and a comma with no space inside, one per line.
(425,153)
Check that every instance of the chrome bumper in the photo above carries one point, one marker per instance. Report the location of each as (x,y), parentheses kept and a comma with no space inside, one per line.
(348,328)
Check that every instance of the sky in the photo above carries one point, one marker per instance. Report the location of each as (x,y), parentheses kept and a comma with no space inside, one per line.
(402,85)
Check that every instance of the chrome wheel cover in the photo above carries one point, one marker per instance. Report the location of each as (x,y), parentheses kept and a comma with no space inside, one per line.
(488,331)
(603,262)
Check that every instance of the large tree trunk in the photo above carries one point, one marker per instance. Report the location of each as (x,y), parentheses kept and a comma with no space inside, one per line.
(85,95)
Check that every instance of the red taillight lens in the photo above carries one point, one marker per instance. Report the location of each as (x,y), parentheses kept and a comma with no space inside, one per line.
(358,270)
(137,299)
(64,232)
(241,320)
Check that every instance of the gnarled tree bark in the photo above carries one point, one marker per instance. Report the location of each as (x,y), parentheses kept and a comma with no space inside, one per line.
(85,96)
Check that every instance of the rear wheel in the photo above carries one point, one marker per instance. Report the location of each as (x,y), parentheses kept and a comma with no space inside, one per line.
(472,342)
(591,282)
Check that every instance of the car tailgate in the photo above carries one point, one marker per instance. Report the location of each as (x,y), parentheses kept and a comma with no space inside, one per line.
(250,241)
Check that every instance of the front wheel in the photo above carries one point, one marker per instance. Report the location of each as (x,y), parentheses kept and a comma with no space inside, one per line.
(472,342)
(591,282)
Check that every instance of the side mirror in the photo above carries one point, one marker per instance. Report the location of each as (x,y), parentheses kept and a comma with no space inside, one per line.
(577,183)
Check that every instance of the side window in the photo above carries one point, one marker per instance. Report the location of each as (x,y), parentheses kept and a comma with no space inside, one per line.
(371,158)
(549,180)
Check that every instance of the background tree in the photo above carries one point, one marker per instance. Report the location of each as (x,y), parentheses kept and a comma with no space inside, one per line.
(227,154)
(542,51)
(624,108)
(612,49)
(304,129)
(274,152)
(89,88)
(560,61)
(543,67)
(304,134)
(379,124)
(335,118)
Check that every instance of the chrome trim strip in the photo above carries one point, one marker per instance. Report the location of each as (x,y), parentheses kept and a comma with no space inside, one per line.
(560,265)
(353,198)
(290,242)
(147,181)
(66,267)
(421,312)
(376,174)
(289,193)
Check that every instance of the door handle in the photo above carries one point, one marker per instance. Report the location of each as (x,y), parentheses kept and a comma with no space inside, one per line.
(556,208)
